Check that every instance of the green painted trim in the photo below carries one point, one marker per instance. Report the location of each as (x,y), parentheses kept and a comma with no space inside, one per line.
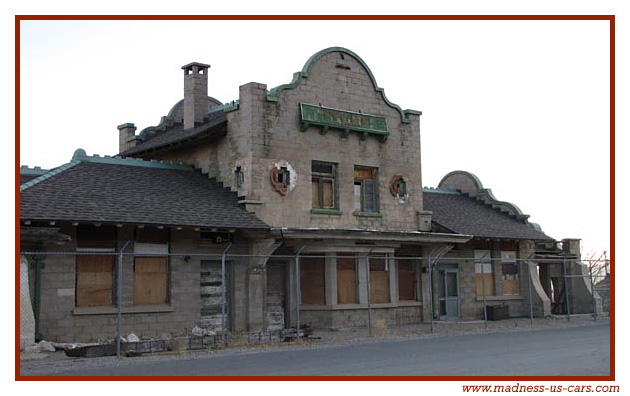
(167,120)
(486,195)
(48,175)
(440,191)
(36,171)
(80,156)
(327,117)
(331,212)
(38,264)
(231,108)
(274,94)
(367,214)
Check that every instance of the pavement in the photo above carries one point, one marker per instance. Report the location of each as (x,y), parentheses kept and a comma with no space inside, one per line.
(50,363)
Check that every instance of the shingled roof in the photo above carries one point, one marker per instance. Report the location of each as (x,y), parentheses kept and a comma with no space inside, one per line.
(462,214)
(215,124)
(113,190)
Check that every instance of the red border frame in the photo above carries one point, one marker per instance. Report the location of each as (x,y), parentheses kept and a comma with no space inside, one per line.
(610,18)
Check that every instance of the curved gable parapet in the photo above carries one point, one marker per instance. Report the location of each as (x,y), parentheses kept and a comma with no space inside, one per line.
(273,95)
(174,116)
(468,183)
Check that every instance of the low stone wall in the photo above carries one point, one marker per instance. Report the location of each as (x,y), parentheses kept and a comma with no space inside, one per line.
(358,317)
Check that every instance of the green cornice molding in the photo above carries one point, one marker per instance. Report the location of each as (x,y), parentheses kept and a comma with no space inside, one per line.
(36,171)
(274,94)
(453,181)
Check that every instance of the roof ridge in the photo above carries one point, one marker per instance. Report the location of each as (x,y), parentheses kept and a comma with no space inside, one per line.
(48,175)
(438,190)
(79,155)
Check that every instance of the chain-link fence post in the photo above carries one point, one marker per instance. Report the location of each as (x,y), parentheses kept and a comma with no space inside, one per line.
(590,273)
(223,295)
(529,290)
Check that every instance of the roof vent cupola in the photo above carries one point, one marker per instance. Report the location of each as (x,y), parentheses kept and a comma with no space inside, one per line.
(195,93)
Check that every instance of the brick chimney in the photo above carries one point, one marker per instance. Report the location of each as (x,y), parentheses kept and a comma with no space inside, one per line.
(126,136)
(195,93)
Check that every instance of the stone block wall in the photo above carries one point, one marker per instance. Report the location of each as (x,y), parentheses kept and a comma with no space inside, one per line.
(62,321)
(345,318)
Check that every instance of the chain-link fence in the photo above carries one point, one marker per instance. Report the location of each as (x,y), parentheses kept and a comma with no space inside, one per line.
(162,300)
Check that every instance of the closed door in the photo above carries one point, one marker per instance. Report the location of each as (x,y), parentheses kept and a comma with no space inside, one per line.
(448,291)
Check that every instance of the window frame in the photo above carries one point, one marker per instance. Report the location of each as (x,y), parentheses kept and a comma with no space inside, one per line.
(320,178)
(362,183)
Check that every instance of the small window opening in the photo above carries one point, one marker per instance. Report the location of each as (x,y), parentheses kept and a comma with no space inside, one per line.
(401,187)
(239,176)
(283,177)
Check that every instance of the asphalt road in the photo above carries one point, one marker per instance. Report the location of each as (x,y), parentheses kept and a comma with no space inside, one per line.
(575,351)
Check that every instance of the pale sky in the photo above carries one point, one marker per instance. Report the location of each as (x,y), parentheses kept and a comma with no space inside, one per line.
(523,105)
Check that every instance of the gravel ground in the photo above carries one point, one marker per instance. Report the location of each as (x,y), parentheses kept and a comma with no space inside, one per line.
(51,363)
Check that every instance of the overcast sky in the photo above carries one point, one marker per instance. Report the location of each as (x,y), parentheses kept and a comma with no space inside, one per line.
(524,105)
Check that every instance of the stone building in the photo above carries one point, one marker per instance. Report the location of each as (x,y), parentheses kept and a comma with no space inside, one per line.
(315,187)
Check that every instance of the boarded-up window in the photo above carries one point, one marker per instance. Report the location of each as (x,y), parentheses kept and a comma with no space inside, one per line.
(365,190)
(150,280)
(312,280)
(509,273)
(95,279)
(346,279)
(484,281)
(406,281)
(379,280)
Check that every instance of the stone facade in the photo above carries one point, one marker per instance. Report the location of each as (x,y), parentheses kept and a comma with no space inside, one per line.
(61,320)
(267,151)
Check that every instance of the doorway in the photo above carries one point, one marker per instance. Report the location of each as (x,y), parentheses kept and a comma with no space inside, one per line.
(448,292)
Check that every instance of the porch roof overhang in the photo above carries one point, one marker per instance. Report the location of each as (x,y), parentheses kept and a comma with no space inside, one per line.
(400,236)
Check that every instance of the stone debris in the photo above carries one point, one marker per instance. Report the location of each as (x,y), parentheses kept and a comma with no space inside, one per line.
(132,338)
(42,346)
(198,331)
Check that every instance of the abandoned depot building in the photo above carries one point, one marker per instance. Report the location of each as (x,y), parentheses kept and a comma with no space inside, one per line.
(308,194)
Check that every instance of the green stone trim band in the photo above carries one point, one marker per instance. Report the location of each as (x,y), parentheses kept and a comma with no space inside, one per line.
(367,214)
(332,212)
(346,121)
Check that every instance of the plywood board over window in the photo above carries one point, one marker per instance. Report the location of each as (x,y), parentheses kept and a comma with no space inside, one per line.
(379,280)
(150,280)
(406,280)
(484,279)
(312,280)
(346,279)
(509,273)
(94,280)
